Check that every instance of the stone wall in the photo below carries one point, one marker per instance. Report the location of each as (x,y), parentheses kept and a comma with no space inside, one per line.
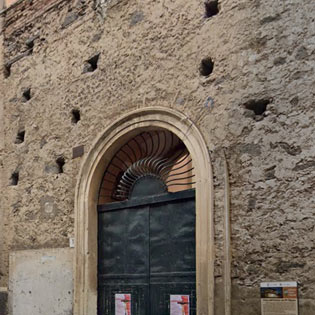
(104,58)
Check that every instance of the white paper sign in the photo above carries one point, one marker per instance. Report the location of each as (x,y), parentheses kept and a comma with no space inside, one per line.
(179,305)
(122,304)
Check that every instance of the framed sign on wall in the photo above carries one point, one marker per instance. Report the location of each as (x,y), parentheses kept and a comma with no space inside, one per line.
(279,298)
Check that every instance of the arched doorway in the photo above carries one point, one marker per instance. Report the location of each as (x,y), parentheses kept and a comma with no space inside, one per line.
(86,202)
(146,228)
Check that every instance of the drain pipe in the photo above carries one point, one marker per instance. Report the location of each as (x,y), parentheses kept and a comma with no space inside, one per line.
(227,241)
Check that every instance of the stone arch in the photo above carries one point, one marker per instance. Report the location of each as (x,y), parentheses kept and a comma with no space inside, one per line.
(86,199)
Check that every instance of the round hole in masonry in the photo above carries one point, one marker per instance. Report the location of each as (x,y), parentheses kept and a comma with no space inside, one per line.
(206,67)
(7,70)
(20,137)
(30,43)
(257,106)
(211,8)
(76,116)
(14,180)
(60,162)
(26,95)
(91,64)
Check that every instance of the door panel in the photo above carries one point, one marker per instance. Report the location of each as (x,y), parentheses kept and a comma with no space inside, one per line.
(148,251)
(172,254)
(123,241)
(172,237)
(123,262)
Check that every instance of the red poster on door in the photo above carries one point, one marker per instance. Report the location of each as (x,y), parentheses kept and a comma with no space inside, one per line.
(179,305)
(122,304)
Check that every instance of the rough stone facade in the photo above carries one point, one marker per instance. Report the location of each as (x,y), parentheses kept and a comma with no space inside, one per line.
(69,68)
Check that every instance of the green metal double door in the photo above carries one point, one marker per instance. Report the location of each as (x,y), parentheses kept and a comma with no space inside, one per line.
(146,253)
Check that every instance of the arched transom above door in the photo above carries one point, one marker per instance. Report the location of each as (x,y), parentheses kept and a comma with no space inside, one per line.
(152,162)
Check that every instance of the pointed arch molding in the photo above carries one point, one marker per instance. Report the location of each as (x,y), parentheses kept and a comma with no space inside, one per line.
(90,176)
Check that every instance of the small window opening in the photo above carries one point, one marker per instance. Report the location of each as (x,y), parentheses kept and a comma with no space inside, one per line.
(206,67)
(211,8)
(76,116)
(257,106)
(26,96)
(60,162)
(14,180)
(20,137)
(91,64)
